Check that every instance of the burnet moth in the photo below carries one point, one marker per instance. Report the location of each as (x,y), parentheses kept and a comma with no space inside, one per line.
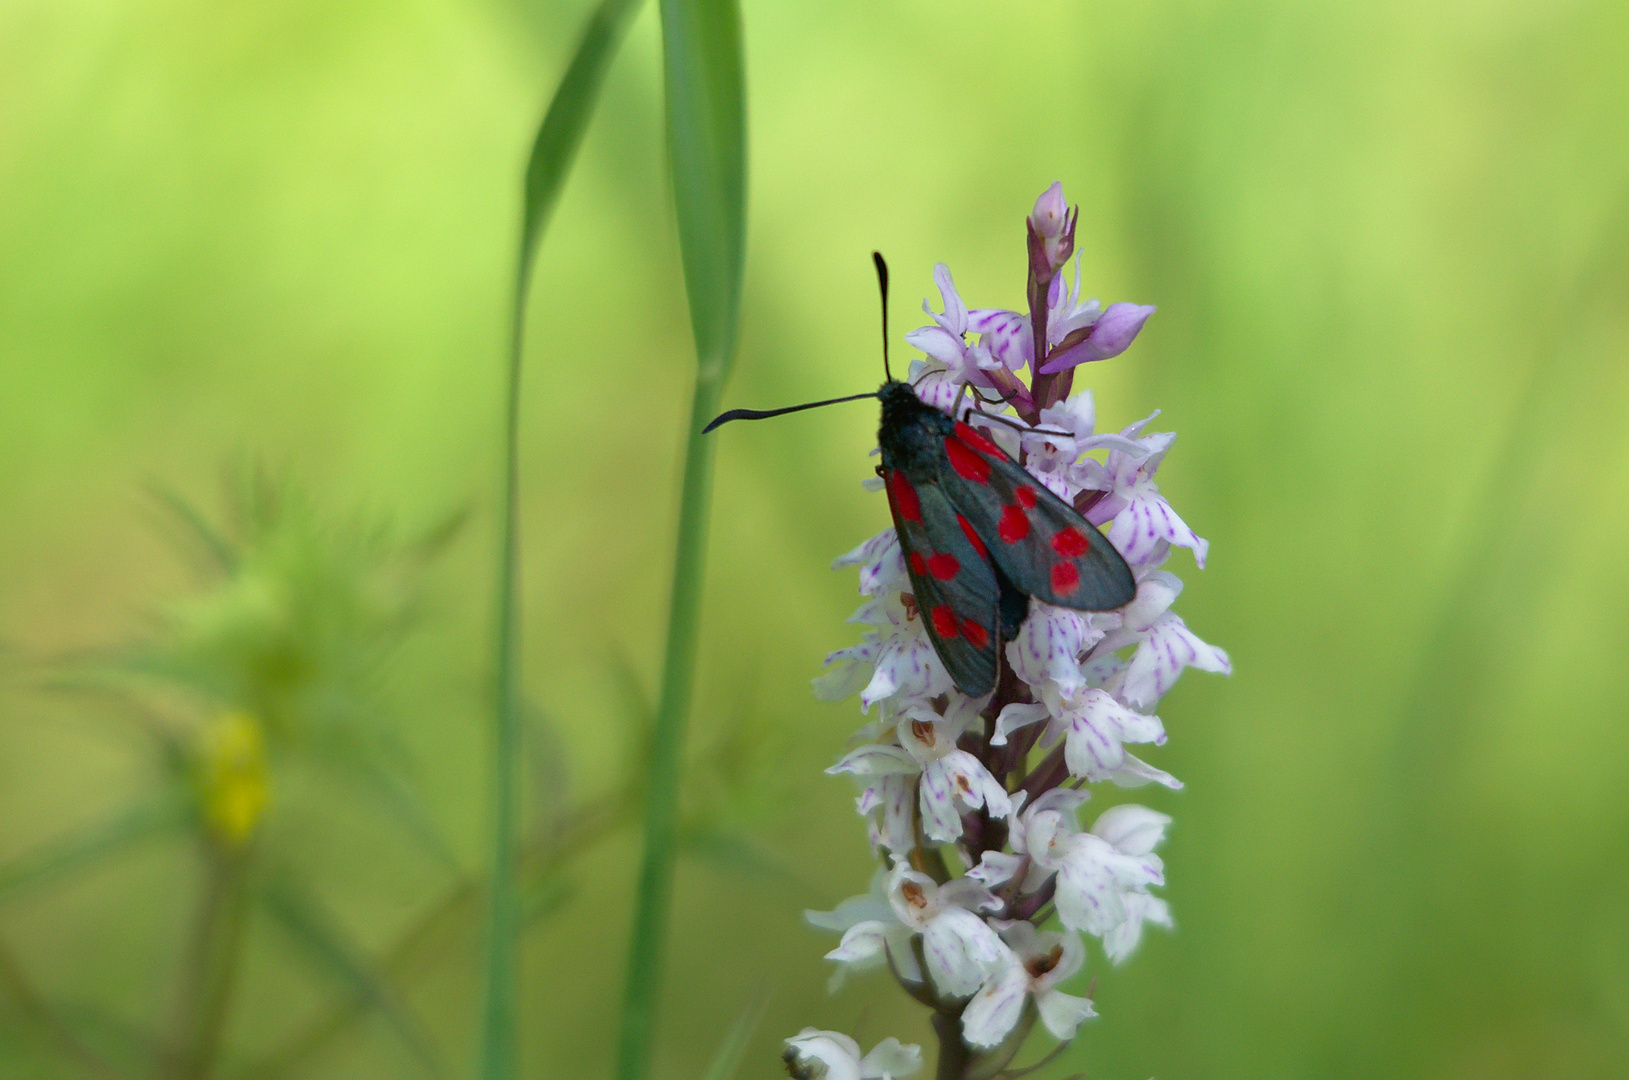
(980,535)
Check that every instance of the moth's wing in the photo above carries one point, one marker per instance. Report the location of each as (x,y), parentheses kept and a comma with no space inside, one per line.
(1039,541)
(955,585)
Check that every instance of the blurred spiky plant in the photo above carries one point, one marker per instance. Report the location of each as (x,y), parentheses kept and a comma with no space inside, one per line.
(279,664)
(263,690)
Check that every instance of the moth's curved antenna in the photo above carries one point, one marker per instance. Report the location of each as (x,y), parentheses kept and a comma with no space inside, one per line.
(882,287)
(760,414)
(763,414)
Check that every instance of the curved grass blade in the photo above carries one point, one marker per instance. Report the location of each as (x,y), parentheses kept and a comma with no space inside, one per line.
(43,1021)
(727,1060)
(449,923)
(302,917)
(144,822)
(552,153)
(706,132)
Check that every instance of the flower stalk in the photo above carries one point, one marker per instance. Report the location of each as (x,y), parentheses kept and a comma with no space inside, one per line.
(999,779)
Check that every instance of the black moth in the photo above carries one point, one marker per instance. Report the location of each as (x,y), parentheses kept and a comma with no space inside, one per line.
(980,535)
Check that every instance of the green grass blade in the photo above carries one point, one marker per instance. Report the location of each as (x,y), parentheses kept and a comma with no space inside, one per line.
(552,153)
(144,822)
(43,1022)
(727,1061)
(567,119)
(308,925)
(706,130)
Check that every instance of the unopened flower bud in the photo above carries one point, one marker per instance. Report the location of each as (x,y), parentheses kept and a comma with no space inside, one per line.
(1051,211)
(1051,235)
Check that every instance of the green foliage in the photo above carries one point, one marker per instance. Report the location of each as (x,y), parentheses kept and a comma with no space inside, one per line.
(1386,242)
(706,141)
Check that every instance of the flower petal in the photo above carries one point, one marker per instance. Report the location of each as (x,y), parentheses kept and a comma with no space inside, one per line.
(862,944)
(1015,716)
(875,760)
(1049,646)
(1168,648)
(1119,942)
(994,1011)
(959,949)
(891,1058)
(1062,1013)
(1133,829)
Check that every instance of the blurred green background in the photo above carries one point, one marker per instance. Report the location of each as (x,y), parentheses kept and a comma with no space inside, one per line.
(1390,246)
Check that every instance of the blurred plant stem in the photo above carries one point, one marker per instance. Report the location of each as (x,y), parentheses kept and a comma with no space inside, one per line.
(552,153)
(45,1022)
(212,960)
(706,128)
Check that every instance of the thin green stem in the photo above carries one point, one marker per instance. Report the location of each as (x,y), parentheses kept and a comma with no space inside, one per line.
(212,962)
(498,1042)
(553,149)
(954,1056)
(706,129)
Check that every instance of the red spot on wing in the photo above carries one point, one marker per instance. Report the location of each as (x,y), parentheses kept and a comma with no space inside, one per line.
(966,463)
(1064,577)
(975,438)
(919,565)
(976,635)
(973,537)
(943,566)
(1071,543)
(905,500)
(1013,526)
(944,621)
(1025,496)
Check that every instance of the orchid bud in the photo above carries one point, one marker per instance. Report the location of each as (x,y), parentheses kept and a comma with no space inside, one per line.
(1051,212)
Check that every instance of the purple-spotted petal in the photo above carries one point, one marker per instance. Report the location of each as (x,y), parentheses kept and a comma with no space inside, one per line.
(1145,520)
(1168,648)
(881,563)
(1049,646)
(959,949)
(941,820)
(1006,334)
(908,668)
(936,384)
(1098,729)
(994,1011)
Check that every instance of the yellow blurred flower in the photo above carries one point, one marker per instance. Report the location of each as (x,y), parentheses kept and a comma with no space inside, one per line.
(235,779)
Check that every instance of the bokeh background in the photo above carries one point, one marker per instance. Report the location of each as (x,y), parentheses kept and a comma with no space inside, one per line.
(1389,242)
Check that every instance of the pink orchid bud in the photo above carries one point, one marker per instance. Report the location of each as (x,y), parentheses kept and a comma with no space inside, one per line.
(1051,212)
(1111,335)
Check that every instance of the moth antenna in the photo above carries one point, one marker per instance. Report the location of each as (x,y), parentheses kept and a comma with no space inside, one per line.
(882,287)
(761,414)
